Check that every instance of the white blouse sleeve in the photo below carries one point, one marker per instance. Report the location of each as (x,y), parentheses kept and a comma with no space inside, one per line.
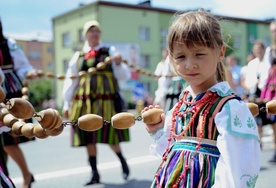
(70,84)
(21,64)
(160,138)
(239,147)
(122,71)
(2,75)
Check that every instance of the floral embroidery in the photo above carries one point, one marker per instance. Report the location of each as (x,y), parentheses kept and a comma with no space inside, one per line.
(251,123)
(237,122)
(251,180)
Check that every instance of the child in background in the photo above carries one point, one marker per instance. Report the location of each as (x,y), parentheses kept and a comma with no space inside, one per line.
(209,138)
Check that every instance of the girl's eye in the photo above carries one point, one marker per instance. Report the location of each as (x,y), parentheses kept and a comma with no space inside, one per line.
(180,57)
(199,54)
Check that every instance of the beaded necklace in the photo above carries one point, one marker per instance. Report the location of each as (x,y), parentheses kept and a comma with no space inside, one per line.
(206,102)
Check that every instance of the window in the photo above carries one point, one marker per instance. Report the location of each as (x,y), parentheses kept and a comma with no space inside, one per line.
(34,55)
(237,41)
(164,32)
(66,40)
(50,50)
(144,33)
(81,37)
(144,61)
(65,65)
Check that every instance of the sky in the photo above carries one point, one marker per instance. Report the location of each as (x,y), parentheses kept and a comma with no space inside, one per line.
(34,17)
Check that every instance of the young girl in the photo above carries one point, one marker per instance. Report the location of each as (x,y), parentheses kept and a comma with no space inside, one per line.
(209,138)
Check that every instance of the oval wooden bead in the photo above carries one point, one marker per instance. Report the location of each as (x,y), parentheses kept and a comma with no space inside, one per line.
(254,109)
(24,91)
(3,112)
(16,127)
(45,118)
(20,108)
(2,94)
(271,107)
(90,122)
(25,97)
(108,60)
(152,116)
(73,76)
(40,73)
(61,76)
(122,120)
(101,66)
(27,130)
(50,75)
(56,131)
(9,120)
(39,132)
(92,70)
(82,73)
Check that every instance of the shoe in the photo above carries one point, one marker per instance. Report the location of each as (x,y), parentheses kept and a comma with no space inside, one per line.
(94,180)
(125,169)
(30,182)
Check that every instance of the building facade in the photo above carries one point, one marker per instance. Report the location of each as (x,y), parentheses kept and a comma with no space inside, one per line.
(140,30)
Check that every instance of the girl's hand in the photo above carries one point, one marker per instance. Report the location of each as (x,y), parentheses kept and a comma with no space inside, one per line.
(152,128)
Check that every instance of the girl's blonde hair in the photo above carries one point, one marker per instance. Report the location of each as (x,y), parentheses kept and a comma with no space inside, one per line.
(197,28)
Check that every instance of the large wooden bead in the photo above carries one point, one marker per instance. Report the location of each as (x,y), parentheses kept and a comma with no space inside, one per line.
(254,109)
(2,94)
(101,66)
(27,130)
(25,91)
(45,118)
(3,112)
(271,106)
(55,132)
(20,108)
(123,120)
(152,116)
(61,76)
(9,120)
(92,70)
(16,128)
(90,122)
(58,121)
(39,132)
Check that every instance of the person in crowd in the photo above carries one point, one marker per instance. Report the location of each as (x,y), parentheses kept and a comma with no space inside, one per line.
(96,93)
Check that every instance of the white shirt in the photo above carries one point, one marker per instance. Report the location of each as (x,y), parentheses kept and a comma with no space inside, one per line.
(256,67)
(121,72)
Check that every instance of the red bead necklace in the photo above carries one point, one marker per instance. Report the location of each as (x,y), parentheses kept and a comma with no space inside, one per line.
(209,97)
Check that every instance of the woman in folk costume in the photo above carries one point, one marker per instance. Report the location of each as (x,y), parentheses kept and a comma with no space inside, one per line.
(15,67)
(96,94)
(5,181)
(209,138)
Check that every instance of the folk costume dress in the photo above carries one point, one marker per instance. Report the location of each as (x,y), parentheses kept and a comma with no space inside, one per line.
(210,140)
(95,94)
(15,66)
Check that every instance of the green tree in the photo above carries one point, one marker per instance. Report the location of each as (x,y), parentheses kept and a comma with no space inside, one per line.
(40,89)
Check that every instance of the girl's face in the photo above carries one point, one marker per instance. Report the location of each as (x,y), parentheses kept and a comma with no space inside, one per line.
(93,35)
(197,65)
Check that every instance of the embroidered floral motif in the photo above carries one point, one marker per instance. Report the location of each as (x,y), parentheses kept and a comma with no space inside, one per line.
(250,123)
(237,122)
(251,180)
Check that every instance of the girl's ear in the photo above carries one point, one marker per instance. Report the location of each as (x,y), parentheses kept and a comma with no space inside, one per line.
(222,52)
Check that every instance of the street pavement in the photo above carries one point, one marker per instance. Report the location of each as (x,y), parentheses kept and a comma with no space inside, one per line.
(55,164)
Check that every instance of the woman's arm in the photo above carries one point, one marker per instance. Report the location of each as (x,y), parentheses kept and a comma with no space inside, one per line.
(70,84)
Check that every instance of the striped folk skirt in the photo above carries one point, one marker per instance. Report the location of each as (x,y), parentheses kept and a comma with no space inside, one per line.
(99,95)
(201,172)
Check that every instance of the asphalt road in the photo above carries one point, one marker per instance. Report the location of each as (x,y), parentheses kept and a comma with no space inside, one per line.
(55,164)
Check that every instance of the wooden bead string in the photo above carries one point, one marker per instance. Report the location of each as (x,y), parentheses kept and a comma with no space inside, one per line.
(93,70)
